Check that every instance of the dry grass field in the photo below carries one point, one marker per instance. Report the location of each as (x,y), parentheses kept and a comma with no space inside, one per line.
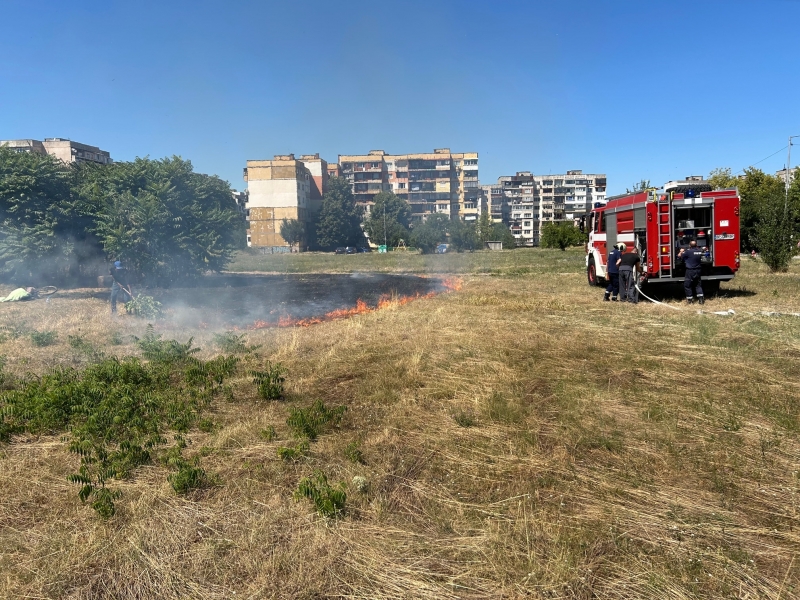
(518,438)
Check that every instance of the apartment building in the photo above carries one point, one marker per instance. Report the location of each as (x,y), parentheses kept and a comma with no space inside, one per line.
(525,202)
(62,148)
(282,188)
(437,182)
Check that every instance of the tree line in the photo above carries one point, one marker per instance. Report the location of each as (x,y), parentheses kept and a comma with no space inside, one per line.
(60,222)
(343,223)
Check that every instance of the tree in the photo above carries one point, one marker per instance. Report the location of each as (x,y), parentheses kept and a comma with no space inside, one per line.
(340,217)
(503,234)
(292,231)
(722,178)
(395,213)
(561,235)
(639,187)
(464,236)
(773,232)
(429,234)
(43,229)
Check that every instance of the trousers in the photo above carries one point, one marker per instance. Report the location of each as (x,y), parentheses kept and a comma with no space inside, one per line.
(613,284)
(627,284)
(692,282)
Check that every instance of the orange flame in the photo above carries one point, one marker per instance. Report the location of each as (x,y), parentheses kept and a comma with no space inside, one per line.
(451,284)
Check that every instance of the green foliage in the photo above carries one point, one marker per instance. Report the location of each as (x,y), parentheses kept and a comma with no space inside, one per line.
(643,185)
(773,232)
(270,382)
(340,217)
(43,338)
(353,452)
(561,235)
(269,433)
(328,501)
(117,412)
(233,343)
(464,419)
(292,231)
(310,422)
(80,344)
(146,307)
(188,475)
(392,211)
(426,236)
(294,452)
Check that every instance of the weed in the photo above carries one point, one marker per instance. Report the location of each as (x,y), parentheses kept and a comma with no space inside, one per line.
(464,419)
(311,421)
(270,382)
(116,338)
(168,351)
(268,434)
(295,452)
(233,343)
(353,452)
(501,411)
(78,343)
(146,307)
(43,338)
(361,484)
(327,500)
(188,475)
(205,425)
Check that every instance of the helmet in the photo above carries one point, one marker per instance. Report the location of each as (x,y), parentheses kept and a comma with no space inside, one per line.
(621,247)
(118,264)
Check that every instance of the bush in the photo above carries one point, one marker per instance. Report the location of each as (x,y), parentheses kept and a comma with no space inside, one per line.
(561,236)
(310,422)
(146,307)
(188,475)
(353,452)
(295,452)
(43,338)
(327,500)
(270,382)
(232,343)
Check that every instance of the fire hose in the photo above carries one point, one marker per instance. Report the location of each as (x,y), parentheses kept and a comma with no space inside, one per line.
(638,289)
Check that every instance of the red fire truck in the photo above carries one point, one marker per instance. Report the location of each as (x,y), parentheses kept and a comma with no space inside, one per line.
(661,222)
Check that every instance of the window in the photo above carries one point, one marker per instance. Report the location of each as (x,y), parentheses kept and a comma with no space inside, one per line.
(444,206)
(402,186)
(527,215)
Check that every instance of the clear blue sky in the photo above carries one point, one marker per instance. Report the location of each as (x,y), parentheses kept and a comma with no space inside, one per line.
(635,89)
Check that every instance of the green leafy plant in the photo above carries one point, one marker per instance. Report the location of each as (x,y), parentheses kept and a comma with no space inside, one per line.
(188,475)
(270,382)
(155,349)
(295,452)
(353,452)
(268,434)
(464,419)
(146,307)
(78,343)
(329,501)
(233,343)
(310,422)
(43,338)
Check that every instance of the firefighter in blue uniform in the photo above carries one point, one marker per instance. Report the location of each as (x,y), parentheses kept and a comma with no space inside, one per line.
(612,289)
(692,283)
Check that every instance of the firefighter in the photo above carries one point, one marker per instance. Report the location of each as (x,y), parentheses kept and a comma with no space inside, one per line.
(692,282)
(119,275)
(612,289)
(628,271)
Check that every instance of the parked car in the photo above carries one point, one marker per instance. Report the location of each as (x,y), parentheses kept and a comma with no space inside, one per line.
(442,248)
(350,250)
(364,249)
(340,250)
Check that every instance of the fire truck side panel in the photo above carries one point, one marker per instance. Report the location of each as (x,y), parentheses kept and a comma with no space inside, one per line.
(651,225)
(727,242)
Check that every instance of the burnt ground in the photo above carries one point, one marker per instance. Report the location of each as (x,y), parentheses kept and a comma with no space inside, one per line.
(239,300)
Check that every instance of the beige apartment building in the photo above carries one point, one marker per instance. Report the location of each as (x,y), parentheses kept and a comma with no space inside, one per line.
(437,182)
(282,188)
(525,202)
(62,148)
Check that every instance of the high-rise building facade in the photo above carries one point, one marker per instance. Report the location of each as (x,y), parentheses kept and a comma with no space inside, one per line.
(62,148)
(525,202)
(282,188)
(437,182)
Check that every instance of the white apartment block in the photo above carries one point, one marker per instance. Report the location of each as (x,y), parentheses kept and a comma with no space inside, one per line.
(62,148)
(525,202)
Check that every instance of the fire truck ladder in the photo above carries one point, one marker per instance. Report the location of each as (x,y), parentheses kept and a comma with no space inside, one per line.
(665,243)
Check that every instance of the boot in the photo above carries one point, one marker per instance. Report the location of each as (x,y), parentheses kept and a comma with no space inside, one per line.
(701,299)
(690,301)
(613,298)
(605,298)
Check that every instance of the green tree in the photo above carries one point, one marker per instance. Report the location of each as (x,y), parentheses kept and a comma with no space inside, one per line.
(432,232)
(561,235)
(503,234)
(340,217)
(638,187)
(464,236)
(722,178)
(43,227)
(293,231)
(773,231)
(162,218)
(395,213)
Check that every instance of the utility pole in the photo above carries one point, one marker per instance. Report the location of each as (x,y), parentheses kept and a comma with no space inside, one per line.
(788,173)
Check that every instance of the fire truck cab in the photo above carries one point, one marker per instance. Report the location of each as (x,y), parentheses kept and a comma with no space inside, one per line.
(662,222)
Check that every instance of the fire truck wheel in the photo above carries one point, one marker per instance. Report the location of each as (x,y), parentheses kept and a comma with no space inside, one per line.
(591,274)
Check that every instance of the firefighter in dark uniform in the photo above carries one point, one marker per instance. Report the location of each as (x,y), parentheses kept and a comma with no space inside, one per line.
(612,289)
(692,284)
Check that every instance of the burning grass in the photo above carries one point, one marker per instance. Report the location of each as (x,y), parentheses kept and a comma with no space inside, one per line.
(519,438)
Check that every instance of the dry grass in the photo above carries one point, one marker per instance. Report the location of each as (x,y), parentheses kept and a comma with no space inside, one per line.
(611,451)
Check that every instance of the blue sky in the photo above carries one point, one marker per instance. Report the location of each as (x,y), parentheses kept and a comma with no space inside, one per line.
(635,89)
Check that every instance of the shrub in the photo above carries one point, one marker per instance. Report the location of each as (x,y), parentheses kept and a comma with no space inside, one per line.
(43,338)
(232,343)
(353,452)
(146,307)
(294,453)
(167,351)
(268,434)
(311,421)
(327,500)
(270,382)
